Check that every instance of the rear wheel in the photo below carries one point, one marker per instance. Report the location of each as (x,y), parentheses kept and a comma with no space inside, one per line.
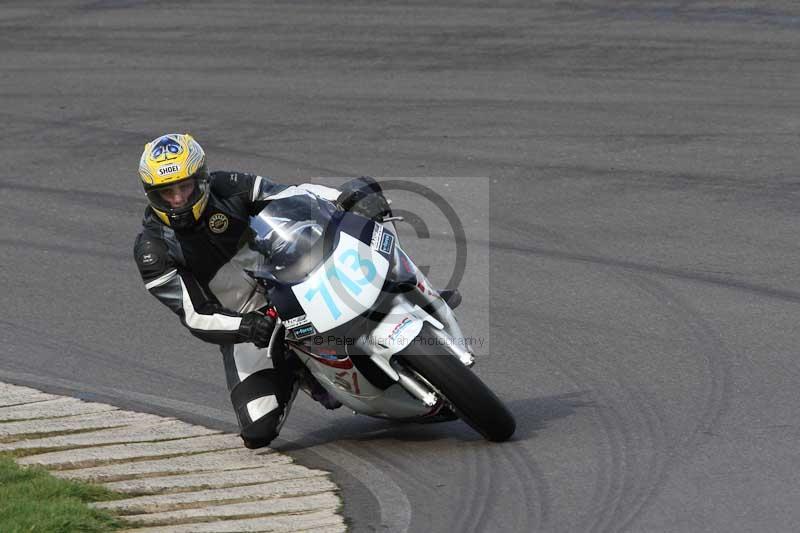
(468,396)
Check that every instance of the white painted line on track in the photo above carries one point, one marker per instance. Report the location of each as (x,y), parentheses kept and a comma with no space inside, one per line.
(181,476)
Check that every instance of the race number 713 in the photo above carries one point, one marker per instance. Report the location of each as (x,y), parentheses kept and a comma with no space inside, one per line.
(349,260)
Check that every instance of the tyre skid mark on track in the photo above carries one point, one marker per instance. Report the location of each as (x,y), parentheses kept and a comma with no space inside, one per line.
(613,458)
(617,485)
(653,431)
(617,478)
(610,459)
(715,405)
(64,249)
(612,517)
(532,514)
(59,13)
(488,488)
(640,269)
(482,520)
(476,494)
(137,137)
(544,497)
(631,500)
(610,464)
(615,513)
(618,513)
(83,197)
(390,461)
(631,449)
(533,482)
(610,421)
(472,493)
(618,446)
(86,352)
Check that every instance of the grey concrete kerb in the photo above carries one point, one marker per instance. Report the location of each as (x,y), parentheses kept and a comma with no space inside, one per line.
(180,477)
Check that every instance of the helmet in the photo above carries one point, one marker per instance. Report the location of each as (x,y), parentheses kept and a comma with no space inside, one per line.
(166,161)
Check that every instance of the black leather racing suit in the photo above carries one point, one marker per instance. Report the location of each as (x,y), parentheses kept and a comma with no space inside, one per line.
(199,274)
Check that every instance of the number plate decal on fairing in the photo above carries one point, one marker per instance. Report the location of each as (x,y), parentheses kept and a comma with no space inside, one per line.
(345,286)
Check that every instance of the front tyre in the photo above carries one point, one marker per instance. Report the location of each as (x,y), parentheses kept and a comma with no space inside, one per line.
(469,397)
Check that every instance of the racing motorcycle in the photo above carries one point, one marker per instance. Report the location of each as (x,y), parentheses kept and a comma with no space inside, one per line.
(363,320)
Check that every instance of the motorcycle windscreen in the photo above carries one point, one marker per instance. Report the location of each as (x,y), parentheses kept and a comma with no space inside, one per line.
(288,234)
(348,283)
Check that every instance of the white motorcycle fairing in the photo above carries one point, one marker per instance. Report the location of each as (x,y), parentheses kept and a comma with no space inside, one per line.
(323,312)
(347,384)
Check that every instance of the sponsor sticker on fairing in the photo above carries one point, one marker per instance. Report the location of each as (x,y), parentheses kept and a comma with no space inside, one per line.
(400,327)
(377,233)
(386,243)
(304,331)
(296,321)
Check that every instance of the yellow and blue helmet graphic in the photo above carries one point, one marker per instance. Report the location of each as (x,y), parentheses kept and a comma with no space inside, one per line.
(166,161)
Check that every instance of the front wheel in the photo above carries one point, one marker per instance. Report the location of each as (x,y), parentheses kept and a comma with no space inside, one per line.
(469,397)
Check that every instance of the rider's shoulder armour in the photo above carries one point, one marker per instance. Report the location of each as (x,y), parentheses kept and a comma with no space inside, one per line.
(155,249)
(226,184)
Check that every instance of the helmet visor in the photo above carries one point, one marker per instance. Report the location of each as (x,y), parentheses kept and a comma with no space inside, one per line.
(179,197)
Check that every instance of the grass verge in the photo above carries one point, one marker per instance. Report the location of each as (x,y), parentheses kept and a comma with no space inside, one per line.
(32,500)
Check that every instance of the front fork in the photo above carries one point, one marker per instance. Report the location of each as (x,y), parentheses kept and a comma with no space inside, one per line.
(425,296)
(433,304)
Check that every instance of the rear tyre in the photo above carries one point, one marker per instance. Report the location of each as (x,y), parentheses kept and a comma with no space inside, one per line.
(469,397)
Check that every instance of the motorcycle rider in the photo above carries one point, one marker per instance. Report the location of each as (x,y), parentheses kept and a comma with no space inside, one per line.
(192,252)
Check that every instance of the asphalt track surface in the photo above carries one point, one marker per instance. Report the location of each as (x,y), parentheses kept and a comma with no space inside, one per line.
(635,253)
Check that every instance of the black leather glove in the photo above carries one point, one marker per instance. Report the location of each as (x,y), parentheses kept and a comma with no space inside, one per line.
(256,328)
